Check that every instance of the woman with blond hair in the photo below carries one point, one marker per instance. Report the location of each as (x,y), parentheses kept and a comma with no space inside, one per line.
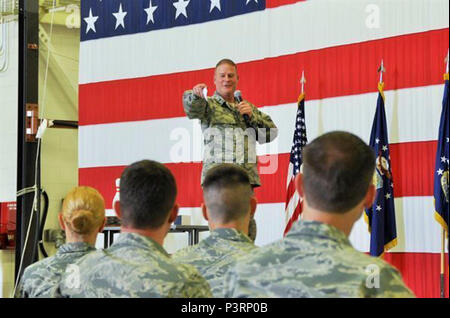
(82,218)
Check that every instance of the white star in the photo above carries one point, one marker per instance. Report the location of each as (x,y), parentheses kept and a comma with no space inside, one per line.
(387,196)
(378,208)
(392,185)
(443,159)
(377,140)
(181,7)
(215,4)
(447,139)
(440,171)
(385,148)
(90,20)
(251,0)
(150,11)
(120,15)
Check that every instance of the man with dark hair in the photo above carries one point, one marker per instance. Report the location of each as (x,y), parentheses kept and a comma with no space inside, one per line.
(316,258)
(136,264)
(231,126)
(229,203)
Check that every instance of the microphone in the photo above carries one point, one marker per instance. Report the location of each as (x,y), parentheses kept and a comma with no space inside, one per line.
(238,98)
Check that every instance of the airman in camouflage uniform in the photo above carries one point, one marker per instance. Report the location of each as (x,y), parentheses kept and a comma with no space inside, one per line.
(134,266)
(313,260)
(39,278)
(215,254)
(316,259)
(229,204)
(82,217)
(227,136)
(225,133)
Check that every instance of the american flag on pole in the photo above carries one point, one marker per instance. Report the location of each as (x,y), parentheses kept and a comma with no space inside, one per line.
(294,203)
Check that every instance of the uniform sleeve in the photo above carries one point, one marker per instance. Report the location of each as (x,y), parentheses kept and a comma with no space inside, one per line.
(20,291)
(195,107)
(267,130)
(391,285)
(195,286)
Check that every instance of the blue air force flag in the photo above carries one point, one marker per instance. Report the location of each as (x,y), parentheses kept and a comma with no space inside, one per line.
(381,216)
(441,177)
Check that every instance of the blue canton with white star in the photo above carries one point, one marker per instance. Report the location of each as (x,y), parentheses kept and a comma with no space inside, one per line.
(300,139)
(107,18)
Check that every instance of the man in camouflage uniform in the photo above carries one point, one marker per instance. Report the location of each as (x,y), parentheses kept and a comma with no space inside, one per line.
(136,264)
(229,205)
(316,259)
(229,137)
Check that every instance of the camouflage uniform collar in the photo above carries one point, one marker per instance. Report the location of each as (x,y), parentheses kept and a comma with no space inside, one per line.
(318,229)
(230,235)
(139,241)
(219,99)
(75,247)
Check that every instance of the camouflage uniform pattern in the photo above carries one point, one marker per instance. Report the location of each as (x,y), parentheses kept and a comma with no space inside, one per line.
(214,255)
(313,260)
(39,278)
(235,147)
(133,266)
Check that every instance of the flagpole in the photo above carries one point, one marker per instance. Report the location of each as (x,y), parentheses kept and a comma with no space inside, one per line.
(443,234)
(302,80)
(381,69)
(443,264)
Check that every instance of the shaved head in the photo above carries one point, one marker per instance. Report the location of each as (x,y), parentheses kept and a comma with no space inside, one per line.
(227,193)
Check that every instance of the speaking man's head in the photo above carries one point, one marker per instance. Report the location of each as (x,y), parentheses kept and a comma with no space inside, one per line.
(226,78)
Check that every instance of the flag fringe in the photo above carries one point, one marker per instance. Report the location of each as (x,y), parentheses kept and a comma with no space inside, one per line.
(381,89)
(441,221)
(366,218)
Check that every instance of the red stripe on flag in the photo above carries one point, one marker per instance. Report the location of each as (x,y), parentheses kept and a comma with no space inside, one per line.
(290,191)
(420,272)
(412,167)
(336,71)
(279,3)
(298,210)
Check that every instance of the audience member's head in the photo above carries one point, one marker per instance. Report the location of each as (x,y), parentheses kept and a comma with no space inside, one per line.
(338,168)
(83,214)
(228,196)
(147,196)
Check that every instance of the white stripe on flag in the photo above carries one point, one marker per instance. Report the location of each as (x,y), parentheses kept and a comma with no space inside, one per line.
(166,51)
(413,115)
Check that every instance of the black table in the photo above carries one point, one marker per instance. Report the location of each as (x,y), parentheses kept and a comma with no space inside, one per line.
(192,230)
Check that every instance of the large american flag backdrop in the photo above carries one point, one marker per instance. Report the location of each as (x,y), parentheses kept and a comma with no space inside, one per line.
(138,56)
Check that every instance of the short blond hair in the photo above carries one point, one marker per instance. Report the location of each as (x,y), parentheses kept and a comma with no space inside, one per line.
(226,61)
(83,210)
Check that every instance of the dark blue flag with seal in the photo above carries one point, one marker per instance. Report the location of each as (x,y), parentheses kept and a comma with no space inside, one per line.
(381,216)
(441,174)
